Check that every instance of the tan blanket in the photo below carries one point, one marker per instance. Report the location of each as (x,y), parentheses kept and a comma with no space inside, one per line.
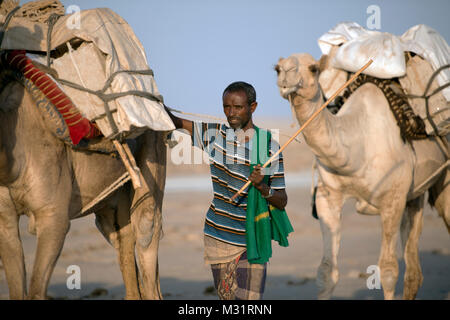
(109,45)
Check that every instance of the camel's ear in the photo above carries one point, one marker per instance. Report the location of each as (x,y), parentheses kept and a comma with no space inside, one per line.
(323,62)
(314,68)
(277,68)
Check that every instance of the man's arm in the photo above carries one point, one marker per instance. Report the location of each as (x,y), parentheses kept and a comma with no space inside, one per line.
(180,123)
(279,198)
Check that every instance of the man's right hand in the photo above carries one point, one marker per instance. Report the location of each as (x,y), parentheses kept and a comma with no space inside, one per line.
(180,123)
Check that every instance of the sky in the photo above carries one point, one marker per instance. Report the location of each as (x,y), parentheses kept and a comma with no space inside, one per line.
(197,47)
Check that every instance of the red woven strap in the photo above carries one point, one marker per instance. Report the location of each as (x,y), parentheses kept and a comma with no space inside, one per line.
(79,127)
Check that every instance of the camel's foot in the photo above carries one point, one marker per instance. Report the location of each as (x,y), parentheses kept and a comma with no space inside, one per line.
(411,286)
(327,278)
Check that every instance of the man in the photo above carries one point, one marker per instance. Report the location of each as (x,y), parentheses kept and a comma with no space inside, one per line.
(230,149)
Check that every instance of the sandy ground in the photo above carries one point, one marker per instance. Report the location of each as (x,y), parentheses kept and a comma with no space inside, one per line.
(291,271)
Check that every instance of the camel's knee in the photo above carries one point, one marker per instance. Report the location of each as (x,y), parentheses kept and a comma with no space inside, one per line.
(329,207)
(104,221)
(53,223)
(146,224)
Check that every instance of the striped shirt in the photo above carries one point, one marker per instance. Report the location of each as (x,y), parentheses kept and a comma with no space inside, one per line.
(230,168)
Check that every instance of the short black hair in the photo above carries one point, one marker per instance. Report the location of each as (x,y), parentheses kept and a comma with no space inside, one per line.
(242,86)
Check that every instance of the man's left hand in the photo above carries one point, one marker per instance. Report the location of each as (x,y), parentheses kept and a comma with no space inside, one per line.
(256,176)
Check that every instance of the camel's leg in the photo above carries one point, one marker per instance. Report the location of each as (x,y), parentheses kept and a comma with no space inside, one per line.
(48,200)
(11,251)
(114,224)
(411,227)
(146,221)
(390,220)
(146,210)
(52,225)
(329,206)
(439,197)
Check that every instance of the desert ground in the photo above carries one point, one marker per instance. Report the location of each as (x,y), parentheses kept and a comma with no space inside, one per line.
(291,271)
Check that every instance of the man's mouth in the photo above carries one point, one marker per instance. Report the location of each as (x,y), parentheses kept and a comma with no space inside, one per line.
(233,120)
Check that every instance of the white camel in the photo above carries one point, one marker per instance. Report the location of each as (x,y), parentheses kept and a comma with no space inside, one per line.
(361,155)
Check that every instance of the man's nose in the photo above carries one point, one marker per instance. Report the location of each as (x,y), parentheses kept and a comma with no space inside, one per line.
(233,111)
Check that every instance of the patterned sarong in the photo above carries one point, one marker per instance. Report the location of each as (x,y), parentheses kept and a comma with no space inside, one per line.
(239,280)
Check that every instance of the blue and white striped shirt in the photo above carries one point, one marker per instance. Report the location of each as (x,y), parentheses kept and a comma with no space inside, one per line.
(230,169)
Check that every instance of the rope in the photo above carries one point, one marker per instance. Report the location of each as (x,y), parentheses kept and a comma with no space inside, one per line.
(438,171)
(74,63)
(111,96)
(51,22)
(105,193)
(6,23)
(198,115)
(427,97)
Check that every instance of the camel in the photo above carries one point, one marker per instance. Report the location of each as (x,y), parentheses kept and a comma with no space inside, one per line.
(50,182)
(361,155)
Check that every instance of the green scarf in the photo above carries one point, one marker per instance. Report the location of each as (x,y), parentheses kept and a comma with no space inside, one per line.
(264,222)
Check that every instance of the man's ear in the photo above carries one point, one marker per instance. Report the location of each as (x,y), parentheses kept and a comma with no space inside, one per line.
(253,106)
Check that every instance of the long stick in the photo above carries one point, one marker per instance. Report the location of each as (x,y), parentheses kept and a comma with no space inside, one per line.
(130,165)
(307,122)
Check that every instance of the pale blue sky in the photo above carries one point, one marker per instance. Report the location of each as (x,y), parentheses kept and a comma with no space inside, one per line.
(197,47)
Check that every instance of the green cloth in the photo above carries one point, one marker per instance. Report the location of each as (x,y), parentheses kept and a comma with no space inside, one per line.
(264,222)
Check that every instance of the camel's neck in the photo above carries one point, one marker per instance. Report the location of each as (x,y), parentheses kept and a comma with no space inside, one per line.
(322,133)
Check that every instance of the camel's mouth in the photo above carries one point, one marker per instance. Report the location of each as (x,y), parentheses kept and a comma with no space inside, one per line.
(286,91)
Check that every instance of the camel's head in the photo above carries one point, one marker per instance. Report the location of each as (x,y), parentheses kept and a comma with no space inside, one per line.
(298,74)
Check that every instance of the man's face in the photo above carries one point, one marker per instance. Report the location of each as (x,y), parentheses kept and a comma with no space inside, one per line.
(236,109)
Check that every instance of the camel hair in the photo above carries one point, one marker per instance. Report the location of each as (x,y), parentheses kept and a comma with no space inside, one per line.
(50,182)
(361,155)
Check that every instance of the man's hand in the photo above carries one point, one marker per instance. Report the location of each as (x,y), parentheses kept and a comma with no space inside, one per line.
(256,177)
(279,198)
(180,123)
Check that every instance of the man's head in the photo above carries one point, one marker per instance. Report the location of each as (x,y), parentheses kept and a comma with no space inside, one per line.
(239,102)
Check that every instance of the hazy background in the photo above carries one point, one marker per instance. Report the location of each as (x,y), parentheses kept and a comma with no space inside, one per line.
(198,47)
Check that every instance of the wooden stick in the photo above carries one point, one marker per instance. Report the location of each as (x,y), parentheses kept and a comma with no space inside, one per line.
(130,156)
(134,174)
(307,122)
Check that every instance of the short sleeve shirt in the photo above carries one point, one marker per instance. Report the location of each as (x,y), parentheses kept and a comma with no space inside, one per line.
(230,169)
